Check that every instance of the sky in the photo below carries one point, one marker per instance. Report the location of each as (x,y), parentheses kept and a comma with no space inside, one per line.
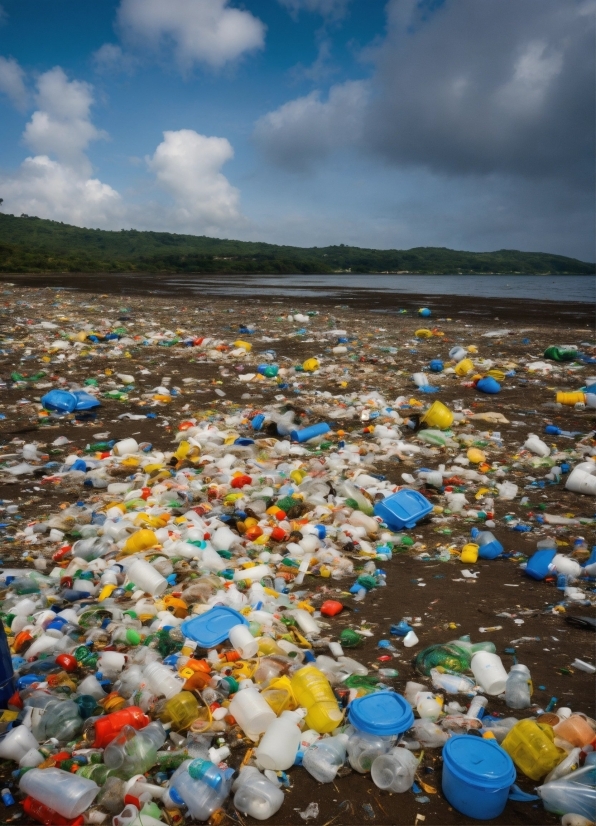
(376,123)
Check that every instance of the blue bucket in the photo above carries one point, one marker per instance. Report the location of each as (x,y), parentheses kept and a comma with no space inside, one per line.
(538,565)
(477,776)
(403,509)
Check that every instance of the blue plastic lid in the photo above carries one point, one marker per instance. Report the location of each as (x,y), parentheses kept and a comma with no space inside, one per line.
(212,627)
(383,713)
(474,759)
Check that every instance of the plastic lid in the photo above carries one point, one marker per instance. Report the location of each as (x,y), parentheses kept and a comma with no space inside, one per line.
(383,713)
(212,627)
(474,759)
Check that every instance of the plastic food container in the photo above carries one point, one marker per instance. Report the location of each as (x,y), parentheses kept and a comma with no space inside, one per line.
(477,775)
(403,509)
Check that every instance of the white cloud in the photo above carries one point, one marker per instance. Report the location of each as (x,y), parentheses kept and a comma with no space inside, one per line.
(111,58)
(308,129)
(12,80)
(187,166)
(62,126)
(330,9)
(200,31)
(50,189)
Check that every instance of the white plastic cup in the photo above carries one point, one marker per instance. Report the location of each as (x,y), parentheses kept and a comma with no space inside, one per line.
(411,639)
(579,481)
(17,743)
(147,578)
(489,672)
(68,794)
(91,686)
(243,641)
(536,445)
(252,713)
(31,759)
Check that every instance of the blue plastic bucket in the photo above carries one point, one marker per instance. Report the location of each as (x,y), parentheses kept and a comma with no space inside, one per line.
(538,565)
(477,776)
(491,550)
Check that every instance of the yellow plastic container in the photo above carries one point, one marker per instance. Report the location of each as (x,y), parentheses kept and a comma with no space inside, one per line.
(463,367)
(140,541)
(571,398)
(530,745)
(423,333)
(469,553)
(313,692)
(476,456)
(181,710)
(245,345)
(310,365)
(438,415)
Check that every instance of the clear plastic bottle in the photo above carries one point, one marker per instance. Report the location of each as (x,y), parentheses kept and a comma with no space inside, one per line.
(135,752)
(201,786)
(518,688)
(323,759)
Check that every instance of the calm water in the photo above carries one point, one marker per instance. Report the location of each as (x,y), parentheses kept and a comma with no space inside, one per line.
(547,288)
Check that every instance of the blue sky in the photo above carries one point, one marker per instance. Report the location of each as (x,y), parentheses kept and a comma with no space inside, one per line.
(383,124)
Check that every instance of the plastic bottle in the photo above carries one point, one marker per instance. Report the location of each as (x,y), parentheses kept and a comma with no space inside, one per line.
(314,693)
(62,720)
(324,757)
(43,814)
(534,444)
(489,672)
(147,578)
(162,681)
(255,795)
(135,752)
(102,730)
(452,683)
(68,794)
(576,730)
(181,710)
(531,747)
(477,708)
(518,688)
(395,771)
(243,641)
(201,786)
(279,745)
(252,713)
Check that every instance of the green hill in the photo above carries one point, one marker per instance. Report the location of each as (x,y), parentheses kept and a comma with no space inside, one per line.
(29,244)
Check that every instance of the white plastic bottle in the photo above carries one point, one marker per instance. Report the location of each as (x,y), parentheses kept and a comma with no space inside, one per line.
(255,795)
(323,759)
(278,747)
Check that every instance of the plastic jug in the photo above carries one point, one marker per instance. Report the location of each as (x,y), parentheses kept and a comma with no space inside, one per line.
(313,692)
(201,786)
(394,771)
(488,546)
(531,747)
(279,745)
(255,795)
(252,713)
(68,794)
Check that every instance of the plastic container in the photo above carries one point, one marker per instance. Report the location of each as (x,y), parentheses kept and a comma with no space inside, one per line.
(394,771)
(488,546)
(243,641)
(125,447)
(255,795)
(16,743)
(279,745)
(438,416)
(162,681)
(539,563)
(325,757)
(139,541)
(200,785)
(403,509)
(532,749)
(518,689)
(147,578)
(104,729)
(477,776)
(135,752)
(580,481)
(489,672)
(68,794)
(576,730)
(464,367)
(43,814)
(570,399)
(488,385)
(457,353)
(181,710)
(308,433)
(252,713)
(469,553)
(534,444)
(212,627)
(314,693)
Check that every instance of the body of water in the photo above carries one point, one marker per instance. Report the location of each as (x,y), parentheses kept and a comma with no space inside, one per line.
(543,287)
